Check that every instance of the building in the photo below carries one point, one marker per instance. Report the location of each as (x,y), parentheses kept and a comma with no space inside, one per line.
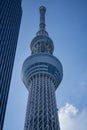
(10,18)
(41,74)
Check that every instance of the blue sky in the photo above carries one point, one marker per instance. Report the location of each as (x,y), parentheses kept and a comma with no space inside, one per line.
(66,23)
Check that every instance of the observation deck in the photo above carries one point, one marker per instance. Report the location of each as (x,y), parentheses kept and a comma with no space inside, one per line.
(42,63)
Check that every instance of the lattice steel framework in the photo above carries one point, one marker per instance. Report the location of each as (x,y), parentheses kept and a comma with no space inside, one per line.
(41,74)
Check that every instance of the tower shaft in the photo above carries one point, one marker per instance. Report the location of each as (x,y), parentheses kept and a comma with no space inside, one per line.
(41,111)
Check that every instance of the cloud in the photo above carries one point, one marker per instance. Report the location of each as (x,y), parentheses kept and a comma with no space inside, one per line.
(72,119)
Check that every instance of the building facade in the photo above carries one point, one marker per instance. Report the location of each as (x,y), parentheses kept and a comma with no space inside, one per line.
(10,18)
(42,73)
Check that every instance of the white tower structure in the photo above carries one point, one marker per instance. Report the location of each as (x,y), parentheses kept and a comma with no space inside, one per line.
(41,74)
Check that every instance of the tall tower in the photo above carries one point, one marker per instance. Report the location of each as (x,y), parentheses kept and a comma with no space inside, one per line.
(10,19)
(41,74)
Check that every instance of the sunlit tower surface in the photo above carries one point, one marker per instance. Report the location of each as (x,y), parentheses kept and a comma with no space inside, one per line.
(42,73)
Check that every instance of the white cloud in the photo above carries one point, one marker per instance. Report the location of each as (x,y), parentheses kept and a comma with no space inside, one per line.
(72,119)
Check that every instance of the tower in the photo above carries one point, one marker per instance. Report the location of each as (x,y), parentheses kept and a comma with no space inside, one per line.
(10,18)
(41,74)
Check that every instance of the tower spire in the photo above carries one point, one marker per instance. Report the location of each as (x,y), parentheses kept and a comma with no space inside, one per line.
(42,10)
(42,24)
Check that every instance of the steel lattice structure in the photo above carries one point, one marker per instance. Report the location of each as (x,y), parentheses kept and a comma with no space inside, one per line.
(41,74)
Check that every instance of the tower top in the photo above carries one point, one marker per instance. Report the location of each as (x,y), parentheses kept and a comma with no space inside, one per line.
(42,10)
(42,43)
(42,25)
